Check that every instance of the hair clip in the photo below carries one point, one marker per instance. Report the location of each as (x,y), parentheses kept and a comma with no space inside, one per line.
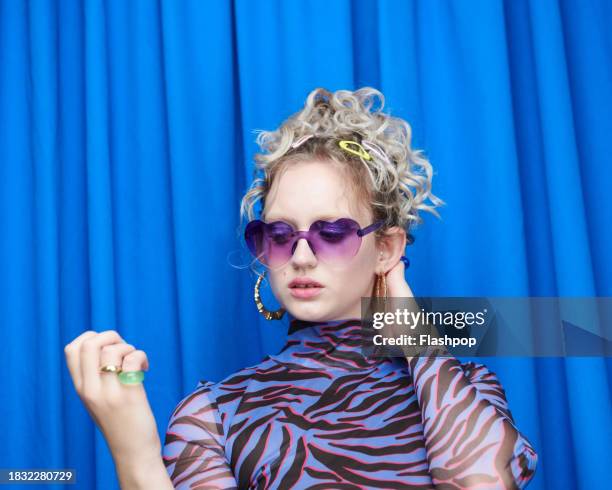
(360,152)
(377,151)
(301,140)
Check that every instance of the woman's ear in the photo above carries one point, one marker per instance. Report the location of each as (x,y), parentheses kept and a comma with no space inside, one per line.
(392,245)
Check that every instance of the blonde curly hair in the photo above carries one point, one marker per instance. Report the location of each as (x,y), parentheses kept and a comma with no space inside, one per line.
(395,182)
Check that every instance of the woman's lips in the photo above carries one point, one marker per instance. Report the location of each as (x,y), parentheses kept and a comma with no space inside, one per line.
(305,293)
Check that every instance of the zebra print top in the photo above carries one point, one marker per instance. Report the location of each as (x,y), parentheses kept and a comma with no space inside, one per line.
(321,415)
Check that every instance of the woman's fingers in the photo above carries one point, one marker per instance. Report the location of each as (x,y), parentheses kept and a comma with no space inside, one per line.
(136,361)
(397,287)
(72,352)
(113,355)
(133,361)
(90,358)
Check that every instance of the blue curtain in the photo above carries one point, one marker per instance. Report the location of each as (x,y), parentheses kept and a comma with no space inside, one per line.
(126,143)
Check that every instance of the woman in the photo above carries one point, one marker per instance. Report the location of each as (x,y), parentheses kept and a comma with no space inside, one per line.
(320,413)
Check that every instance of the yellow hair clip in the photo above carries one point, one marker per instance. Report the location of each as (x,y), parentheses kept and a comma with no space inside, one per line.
(360,152)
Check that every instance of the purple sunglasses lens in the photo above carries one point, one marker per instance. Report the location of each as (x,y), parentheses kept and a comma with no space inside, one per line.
(278,238)
(254,238)
(337,241)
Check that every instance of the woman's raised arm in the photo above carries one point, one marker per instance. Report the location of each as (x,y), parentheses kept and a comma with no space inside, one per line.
(470,436)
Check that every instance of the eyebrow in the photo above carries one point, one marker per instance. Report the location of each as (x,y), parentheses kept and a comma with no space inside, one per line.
(327,217)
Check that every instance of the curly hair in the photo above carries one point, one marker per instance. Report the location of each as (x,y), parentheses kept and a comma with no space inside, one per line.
(395,182)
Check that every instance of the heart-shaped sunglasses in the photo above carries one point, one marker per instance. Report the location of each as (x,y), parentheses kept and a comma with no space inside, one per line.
(273,244)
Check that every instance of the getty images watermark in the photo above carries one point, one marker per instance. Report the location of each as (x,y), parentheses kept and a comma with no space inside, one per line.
(415,322)
(488,326)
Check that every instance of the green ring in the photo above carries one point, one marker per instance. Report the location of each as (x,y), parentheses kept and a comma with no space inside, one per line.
(131,377)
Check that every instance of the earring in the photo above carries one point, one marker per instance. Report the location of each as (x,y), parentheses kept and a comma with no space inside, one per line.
(380,288)
(268,315)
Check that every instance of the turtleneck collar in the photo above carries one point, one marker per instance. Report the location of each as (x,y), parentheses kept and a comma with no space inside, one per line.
(326,345)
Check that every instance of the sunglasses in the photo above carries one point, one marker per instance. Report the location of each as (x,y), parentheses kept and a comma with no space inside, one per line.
(273,244)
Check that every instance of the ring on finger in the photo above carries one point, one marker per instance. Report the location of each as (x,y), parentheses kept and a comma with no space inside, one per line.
(110,368)
(131,377)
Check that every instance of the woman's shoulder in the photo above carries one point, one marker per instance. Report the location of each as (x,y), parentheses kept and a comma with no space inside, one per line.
(217,395)
(231,386)
(235,379)
(474,370)
(479,371)
(240,375)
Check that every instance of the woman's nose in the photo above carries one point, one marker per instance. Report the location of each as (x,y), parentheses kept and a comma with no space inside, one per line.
(302,252)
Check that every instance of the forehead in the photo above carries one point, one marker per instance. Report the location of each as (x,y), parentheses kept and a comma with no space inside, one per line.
(306,191)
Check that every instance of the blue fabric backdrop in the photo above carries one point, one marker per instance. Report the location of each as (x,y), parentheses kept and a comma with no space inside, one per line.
(126,139)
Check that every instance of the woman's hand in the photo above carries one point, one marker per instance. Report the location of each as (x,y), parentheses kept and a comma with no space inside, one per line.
(122,412)
(397,287)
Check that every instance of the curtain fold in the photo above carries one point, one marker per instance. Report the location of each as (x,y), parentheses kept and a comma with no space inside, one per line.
(126,144)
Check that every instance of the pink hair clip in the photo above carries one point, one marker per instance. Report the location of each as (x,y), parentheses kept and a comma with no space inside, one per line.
(374,149)
(301,140)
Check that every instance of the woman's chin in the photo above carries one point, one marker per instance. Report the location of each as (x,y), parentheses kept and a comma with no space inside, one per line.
(303,309)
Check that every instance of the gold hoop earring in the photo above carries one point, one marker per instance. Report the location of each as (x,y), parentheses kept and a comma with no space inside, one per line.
(268,315)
